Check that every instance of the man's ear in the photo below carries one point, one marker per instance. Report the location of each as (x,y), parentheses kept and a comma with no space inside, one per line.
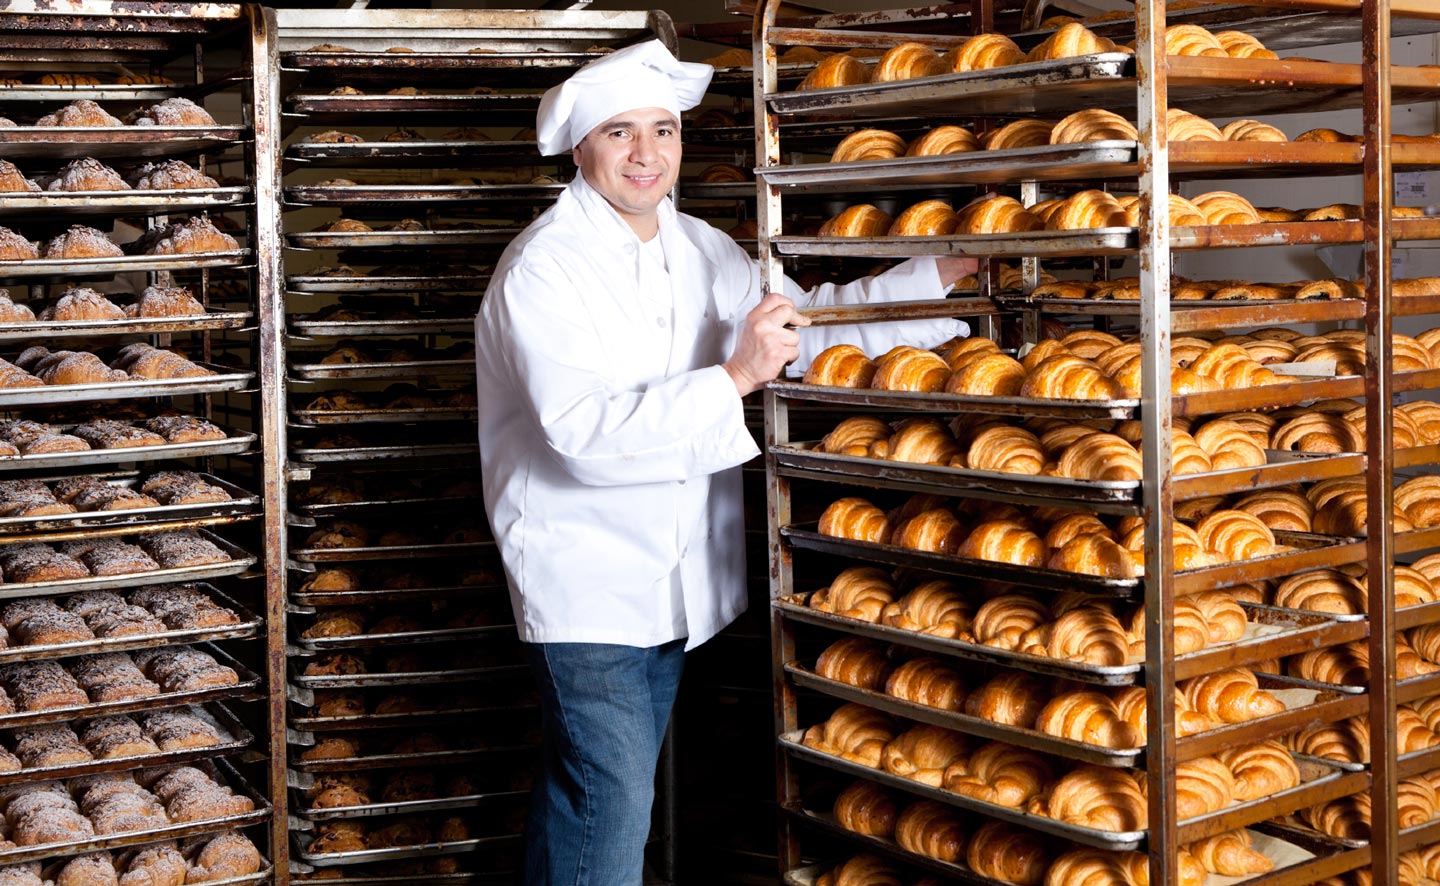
(575,153)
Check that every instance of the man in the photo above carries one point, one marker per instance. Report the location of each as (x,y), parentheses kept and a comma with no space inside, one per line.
(612,349)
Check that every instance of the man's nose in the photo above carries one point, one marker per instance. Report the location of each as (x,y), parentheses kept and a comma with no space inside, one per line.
(642,149)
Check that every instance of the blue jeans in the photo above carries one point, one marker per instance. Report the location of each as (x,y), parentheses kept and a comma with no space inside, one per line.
(605,708)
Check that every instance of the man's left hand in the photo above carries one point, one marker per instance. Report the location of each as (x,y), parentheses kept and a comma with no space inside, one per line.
(953,267)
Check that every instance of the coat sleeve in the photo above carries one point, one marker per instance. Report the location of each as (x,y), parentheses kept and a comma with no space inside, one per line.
(685,426)
(911,280)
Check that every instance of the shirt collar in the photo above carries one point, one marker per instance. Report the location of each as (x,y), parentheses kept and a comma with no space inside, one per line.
(607,220)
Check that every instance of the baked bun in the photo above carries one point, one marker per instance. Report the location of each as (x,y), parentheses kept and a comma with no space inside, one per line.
(175,111)
(928,218)
(1024,133)
(171,175)
(983,52)
(82,242)
(907,62)
(943,140)
(193,235)
(81,112)
(863,220)
(836,70)
(1070,40)
(996,214)
(868,144)
(1092,125)
(87,174)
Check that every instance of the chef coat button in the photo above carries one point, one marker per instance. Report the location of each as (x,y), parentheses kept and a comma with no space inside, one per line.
(660,321)
(682,482)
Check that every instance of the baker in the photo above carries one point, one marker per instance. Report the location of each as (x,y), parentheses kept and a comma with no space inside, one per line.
(614,343)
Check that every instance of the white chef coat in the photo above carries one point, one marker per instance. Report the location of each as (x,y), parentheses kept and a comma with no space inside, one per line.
(611,436)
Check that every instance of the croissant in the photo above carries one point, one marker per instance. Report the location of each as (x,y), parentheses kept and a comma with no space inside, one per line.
(1068,377)
(923,753)
(1279,509)
(1087,717)
(1023,133)
(1192,40)
(1225,208)
(857,519)
(1001,621)
(1092,125)
(1130,703)
(841,366)
(855,733)
(1251,130)
(1202,786)
(911,369)
(854,436)
(943,140)
(868,144)
(925,441)
(937,531)
(862,220)
(1412,588)
(1099,797)
(1088,634)
(1011,699)
(996,214)
(862,870)
(906,62)
(1229,854)
(982,52)
(1261,769)
(1419,498)
(935,607)
(1347,741)
(1009,853)
(1238,44)
(1006,449)
(1100,456)
(928,218)
(1070,40)
(836,70)
(1223,615)
(1090,867)
(1235,535)
(1072,526)
(988,375)
(1087,209)
(1229,445)
(1345,817)
(1190,871)
(927,681)
(931,829)
(1002,774)
(860,592)
(856,661)
(1188,629)
(1093,554)
(1230,696)
(1183,126)
(959,351)
(1318,432)
(1004,541)
(866,808)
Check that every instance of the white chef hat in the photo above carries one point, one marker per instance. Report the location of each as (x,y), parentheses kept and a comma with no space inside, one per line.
(645,75)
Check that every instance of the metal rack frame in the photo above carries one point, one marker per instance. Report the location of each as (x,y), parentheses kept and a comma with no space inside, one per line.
(1147,78)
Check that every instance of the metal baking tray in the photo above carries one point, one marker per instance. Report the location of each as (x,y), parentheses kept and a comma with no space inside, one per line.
(303,772)
(1274,633)
(1308,552)
(407,638)
(354,508)
(237,442)
(304,326)
(1200,314)
(240,561)
(1293,233)
(224,380)
(1306,705)
(1053,579)
(1320,782)
(263,875)
(500,878)
(125,264)
(717,190)
(378,415)
(1417,540)
(1417,456)
(234,737)
(791,744)
(1118,675)
(396,853)
(392,196)
(373,453)
(247,627)
(21,854)
(408,720)
(1413,688)
(125,142)
(405,239)
(399,595)
(955,404)
(409,806)
(51,329)
(405,369)
(364,108)
(248,685)
(111,92)
(241,502)
(1088,242)
(303,285)
(820,134)
(406,552)
(407,678)
(1033,739)
(99,203)
(442,154)
(545,67)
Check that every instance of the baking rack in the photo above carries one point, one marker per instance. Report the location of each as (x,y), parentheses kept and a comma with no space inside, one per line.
(174,46)
(415,285)
(790,123)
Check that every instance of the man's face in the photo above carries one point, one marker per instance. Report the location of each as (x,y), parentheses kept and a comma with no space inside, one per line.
(633,159)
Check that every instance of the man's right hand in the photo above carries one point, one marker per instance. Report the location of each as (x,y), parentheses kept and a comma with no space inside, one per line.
(765,344)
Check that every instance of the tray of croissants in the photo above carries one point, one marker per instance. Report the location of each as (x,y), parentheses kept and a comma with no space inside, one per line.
(355,627)
(118,499)
(1019,785)
(111,743)
(358,841)
(499,659)
(1044,713)
(419,787)
(1071,635)
(940,841)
